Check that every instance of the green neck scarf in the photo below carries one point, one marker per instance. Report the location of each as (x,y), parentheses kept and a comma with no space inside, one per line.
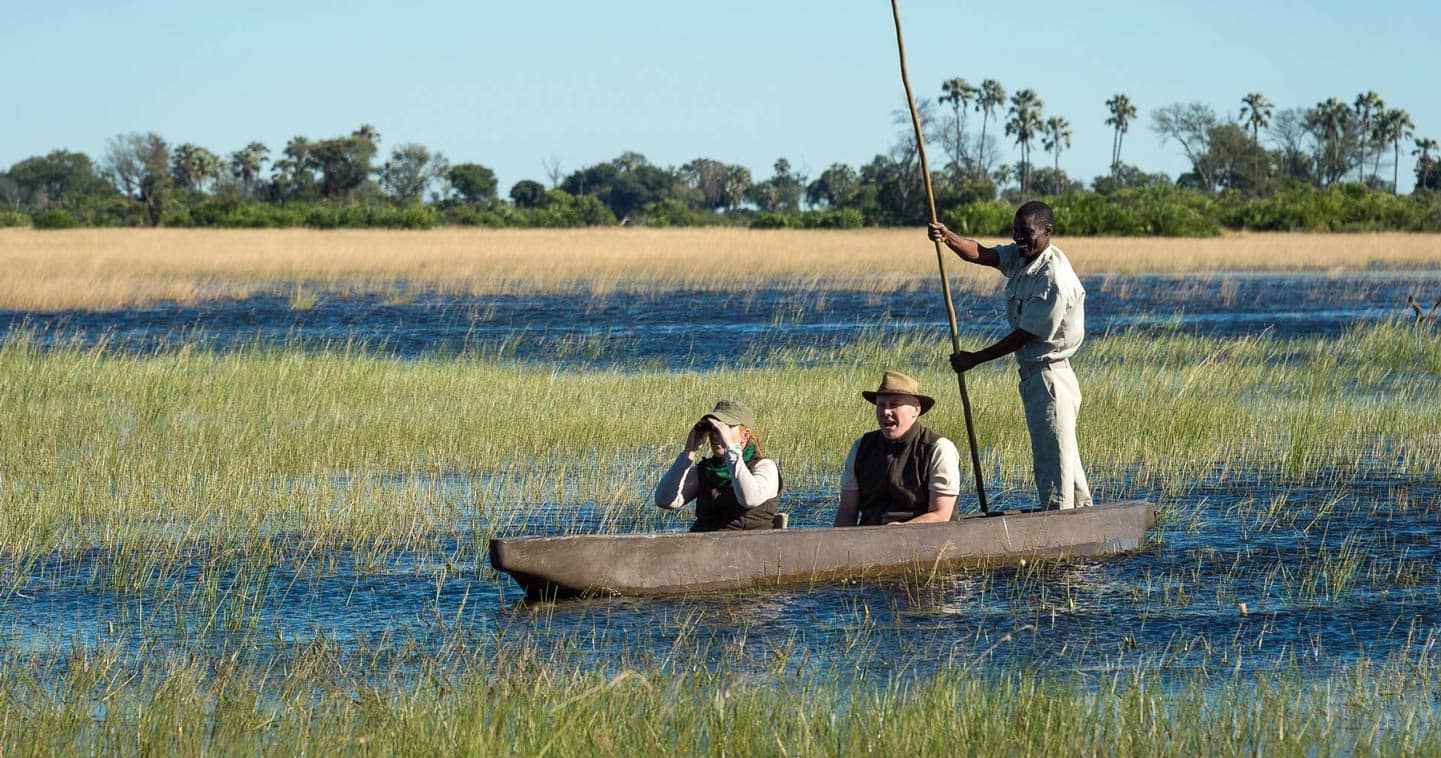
(715,474)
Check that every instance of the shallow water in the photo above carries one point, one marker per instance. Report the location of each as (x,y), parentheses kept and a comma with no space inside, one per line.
(1329,570)
(1343,568)
(699,328)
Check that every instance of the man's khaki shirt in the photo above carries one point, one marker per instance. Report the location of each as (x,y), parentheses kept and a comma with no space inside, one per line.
(1044,297)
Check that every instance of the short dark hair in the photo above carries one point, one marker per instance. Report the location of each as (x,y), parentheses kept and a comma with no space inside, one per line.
(1035,209)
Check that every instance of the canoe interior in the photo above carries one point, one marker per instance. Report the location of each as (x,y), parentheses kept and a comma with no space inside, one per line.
(684,562)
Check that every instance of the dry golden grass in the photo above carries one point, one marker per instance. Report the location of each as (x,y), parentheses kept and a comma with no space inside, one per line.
(106,268)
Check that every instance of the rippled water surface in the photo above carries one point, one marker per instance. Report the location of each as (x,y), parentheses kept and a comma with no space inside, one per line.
(1327,571)
(696,328)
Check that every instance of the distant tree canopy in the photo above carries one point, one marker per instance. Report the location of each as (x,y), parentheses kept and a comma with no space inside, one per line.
(54,179)
(1334,165)
(473,182)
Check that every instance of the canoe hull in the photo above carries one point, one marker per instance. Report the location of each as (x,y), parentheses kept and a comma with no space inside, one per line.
(669,563)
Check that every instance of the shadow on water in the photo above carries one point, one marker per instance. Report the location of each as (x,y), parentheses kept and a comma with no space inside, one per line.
(691,328)
(1238,576)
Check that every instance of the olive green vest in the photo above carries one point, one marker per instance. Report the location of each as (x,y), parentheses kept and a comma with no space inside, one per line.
(717,508)
(894,476)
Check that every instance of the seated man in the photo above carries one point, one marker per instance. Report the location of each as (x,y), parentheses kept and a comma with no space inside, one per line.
(902,472)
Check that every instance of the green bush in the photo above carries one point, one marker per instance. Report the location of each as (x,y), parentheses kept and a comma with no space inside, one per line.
(472,215)
(1153,210)
(986,219)
(1349,207)
(769,220)
(669,212)
(1146,210)
(1090,214)
(55,218)
(562,210)
(13,218)
(834,218)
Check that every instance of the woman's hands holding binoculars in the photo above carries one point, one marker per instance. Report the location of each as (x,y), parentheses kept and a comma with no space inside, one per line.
(712,428)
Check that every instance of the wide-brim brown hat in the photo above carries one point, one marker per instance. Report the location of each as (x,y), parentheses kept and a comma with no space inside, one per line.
(896,383)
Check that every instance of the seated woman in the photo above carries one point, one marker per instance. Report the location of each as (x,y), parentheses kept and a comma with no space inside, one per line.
(736,487)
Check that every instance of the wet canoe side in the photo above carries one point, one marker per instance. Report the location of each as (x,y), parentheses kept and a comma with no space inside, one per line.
(651,564)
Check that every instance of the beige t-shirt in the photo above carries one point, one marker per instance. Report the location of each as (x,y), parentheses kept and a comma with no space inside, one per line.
(1044,297)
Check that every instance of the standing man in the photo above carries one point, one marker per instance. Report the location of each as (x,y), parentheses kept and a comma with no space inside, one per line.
(901,472)
(1045,304)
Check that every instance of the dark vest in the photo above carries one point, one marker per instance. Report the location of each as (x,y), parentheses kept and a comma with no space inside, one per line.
(716,507)
(893,475)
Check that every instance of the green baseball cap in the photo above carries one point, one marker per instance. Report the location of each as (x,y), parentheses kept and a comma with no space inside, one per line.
(734,413)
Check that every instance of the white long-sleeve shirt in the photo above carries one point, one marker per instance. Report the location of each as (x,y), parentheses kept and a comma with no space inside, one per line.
(681,482)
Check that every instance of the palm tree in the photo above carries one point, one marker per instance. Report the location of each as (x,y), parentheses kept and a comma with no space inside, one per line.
(1424,162)
(1122,111)
(1424,146)
(1057,137)
(959,93)
(1331,119)
(1025,122)
(992,97)
(194,167)
(1393,126)
(245,164)
(1002,175)
(1256,113)
(1368,105)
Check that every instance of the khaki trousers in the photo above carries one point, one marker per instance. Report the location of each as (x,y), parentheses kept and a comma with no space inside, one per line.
(1052,399)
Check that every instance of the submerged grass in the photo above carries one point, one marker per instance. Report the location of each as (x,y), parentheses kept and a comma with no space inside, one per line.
(111,268)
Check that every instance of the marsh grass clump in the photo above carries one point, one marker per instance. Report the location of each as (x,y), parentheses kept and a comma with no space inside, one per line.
(216,500)
(102,703)
(111,449)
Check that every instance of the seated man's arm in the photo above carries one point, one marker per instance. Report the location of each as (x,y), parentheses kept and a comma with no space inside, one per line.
(941,508)
(847,513)
(943,483)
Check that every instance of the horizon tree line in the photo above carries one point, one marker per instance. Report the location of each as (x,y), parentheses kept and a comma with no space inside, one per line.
(1322,145)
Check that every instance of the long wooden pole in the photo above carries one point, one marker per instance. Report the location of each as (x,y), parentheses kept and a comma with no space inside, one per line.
(941,262)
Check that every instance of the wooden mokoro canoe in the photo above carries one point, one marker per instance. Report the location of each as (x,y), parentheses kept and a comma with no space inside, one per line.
(680,562)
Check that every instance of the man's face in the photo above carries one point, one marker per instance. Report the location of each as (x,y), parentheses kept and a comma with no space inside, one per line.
(896,413)
(1031,236)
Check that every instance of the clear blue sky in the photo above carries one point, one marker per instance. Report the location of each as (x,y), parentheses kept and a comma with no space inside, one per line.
(512,84)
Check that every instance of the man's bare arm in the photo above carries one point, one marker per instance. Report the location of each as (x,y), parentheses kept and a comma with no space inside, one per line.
(964,361)
(968,249)
(846,513)
(941,508)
